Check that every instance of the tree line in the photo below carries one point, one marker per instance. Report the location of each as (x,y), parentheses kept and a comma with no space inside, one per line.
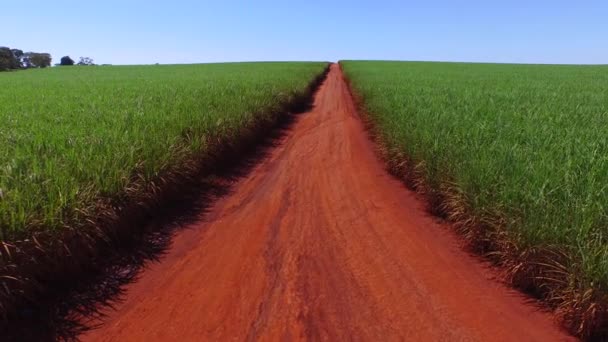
(15,59)
(12,59)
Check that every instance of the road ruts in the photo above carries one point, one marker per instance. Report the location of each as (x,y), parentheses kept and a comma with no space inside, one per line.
(318,242)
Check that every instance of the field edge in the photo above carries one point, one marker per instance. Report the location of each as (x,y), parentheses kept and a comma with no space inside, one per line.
(537,272)
(37,272)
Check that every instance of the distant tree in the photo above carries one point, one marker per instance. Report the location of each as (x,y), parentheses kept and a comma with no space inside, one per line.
(37,60)
(86,61)
(7,60)
(66,60)
(12,59)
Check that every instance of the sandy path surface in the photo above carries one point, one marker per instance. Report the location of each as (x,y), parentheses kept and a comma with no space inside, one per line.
(318,242)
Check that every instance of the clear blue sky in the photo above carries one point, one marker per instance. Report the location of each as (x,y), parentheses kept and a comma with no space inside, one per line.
(189,31)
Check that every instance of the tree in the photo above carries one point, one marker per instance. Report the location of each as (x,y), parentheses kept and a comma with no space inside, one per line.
(7,60)
(37,60)
(12,59)
(66,60)
(86,61)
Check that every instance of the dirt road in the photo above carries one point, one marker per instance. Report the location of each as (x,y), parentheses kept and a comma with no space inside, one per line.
(320,243)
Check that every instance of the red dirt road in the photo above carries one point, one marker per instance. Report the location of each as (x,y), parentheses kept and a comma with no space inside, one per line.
(318,242)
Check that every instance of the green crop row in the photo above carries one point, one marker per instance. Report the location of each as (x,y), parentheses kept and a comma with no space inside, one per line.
(71,135)
(526,143)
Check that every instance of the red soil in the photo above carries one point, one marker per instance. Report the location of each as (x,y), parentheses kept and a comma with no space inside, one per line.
(319,242)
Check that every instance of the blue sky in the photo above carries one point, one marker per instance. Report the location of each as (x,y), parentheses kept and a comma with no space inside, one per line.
(189,31)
